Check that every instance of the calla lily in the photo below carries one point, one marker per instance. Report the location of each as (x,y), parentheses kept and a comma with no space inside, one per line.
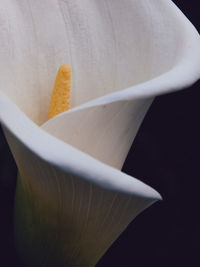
(72,200)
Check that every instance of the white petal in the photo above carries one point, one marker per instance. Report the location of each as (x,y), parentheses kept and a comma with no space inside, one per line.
(146,46)
(105,127)
(69,206)
(110,45)
(104,131)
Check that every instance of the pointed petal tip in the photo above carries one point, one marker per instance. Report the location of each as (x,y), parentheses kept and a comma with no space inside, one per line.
(148,192)
(116,180)
(156,195)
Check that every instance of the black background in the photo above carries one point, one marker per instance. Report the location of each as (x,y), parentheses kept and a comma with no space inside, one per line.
(165,155)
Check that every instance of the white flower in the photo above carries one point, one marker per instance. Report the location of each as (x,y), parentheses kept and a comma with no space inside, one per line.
(72,200)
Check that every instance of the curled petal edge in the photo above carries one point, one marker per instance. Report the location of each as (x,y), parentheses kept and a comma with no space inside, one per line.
(69,206)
